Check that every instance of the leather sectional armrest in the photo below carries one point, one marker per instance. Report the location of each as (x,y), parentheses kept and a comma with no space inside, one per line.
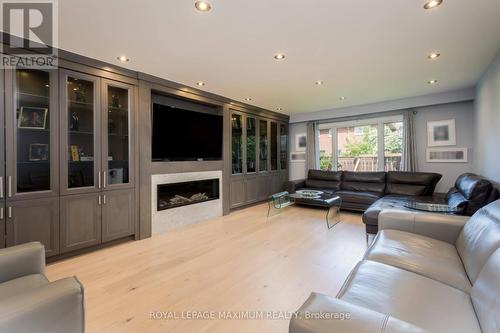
(22,260)
(293,185)
(443,227)
(323,314)
(56,307)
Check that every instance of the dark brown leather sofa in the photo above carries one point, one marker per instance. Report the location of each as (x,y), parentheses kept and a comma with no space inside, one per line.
(359,190)
(372,192)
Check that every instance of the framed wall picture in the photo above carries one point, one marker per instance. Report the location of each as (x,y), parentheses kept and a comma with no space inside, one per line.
(298,156)
(447,155)
(441,133)
(39,152)
(301,142)
(32,118)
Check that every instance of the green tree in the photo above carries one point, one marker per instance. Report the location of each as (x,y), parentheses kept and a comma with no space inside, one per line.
(393,137)
(366,146)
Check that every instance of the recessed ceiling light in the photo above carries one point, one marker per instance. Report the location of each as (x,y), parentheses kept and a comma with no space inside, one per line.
(432,4)
(434,55)
(123,58)
(279,109)
(200,83)
(432,81)
(342,98)
(202,6)
(279,56)
(318,83)
(248,99)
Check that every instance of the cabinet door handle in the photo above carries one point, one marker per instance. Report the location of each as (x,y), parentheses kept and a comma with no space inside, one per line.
(9,212)
(100,200)
(104,199)
(9,186)
(1,213)
(1,187)
(104,179)
(99,179)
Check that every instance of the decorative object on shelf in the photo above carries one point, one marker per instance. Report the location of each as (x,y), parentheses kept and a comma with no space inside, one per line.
(86,158)
(32,117)
(447,155)
(75,157)
(301,142)
(441,133)
(111,126)
(39,152)
(115,176)
(74,123)
(115,101)
(298,156)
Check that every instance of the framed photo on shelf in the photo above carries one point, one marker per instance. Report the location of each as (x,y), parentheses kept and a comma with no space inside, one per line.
(32,118)
(39,152)
(447,155)
(301,142)
(441,133)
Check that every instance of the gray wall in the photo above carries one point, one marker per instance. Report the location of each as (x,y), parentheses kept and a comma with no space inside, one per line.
(487,114)
(462,112)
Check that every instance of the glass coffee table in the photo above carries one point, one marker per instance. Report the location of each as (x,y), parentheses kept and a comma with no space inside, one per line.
(330,202)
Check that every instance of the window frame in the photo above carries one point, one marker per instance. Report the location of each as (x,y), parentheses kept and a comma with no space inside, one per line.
(379,121)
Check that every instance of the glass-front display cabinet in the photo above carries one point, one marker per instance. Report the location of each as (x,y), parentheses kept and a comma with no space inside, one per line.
(237,143)
(118,171)
(274,146)
(283,147)
(31,133)
(80,149)
(251,145)
(263,145)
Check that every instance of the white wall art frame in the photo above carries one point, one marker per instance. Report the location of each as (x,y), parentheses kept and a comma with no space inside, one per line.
(447,155)
(441,133)
(301,142)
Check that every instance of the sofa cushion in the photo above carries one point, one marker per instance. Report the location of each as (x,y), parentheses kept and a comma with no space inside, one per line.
(411,183)
(22,284)
(475,190)
(486,295)
(324,179)
(479,238)
(419,254)
(365,198)
(411,297)
(322,184)
(363,181)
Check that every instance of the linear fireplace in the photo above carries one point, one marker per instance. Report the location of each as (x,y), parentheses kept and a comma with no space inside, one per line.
(186,193)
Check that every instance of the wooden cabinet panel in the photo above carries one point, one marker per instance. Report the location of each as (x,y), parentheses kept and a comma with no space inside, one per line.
(117,214)
(80,221)
(238,191)
(34,220)
(263,186)
(251,189)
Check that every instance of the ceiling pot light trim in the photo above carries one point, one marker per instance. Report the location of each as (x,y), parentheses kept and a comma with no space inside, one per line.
(433,4)
(123,58)
(279,56)
(203,6)
(432,81)
(200,83)
(342,98)
(248,99)
(434,55)
(318,83)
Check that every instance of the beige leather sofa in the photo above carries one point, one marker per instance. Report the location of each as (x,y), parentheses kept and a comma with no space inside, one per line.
(29,302)
(423,272)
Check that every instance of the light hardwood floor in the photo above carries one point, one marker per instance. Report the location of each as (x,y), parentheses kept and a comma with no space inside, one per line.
(240,262)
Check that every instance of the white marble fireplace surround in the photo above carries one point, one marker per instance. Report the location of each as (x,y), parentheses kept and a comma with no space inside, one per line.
(174,218)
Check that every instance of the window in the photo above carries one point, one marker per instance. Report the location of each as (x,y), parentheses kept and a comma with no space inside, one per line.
(325,150)
(364,145)
(357,148)
(393,146)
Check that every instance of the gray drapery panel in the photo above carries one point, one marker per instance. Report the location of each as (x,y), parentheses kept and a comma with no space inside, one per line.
(409,158)
(312,149)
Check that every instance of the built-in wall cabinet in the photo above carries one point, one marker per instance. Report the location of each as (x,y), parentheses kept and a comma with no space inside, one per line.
(67,159)
(258,158)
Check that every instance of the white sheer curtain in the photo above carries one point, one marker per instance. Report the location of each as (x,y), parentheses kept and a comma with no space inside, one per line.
(409,158)
(312,149)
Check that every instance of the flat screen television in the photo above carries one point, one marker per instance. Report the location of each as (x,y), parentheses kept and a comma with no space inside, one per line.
(185,135)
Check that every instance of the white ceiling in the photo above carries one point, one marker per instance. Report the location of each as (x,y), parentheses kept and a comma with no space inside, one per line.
(365,50)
